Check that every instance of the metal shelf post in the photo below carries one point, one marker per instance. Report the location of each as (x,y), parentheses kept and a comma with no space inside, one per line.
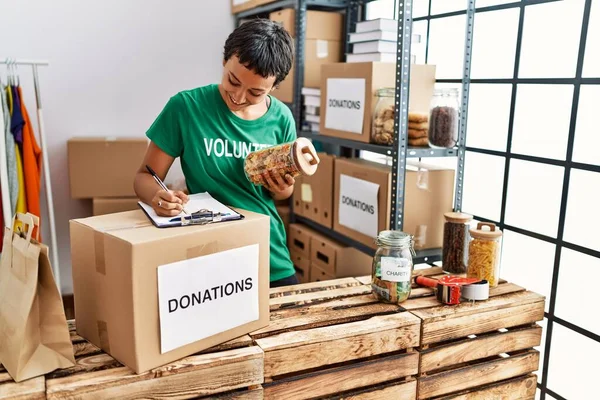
(466,82)
(399,147)
(301,9)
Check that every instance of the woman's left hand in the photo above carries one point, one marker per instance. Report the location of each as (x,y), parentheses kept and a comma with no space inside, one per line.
(277,185)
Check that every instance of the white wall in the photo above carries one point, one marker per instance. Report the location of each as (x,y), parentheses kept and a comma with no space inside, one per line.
(113,66)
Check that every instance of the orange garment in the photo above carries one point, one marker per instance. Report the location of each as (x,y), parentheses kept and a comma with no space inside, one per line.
(32,164)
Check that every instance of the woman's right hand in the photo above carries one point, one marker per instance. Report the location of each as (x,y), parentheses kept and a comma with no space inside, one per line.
(169,204)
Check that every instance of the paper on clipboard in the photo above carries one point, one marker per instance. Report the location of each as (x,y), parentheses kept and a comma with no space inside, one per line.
(196,202)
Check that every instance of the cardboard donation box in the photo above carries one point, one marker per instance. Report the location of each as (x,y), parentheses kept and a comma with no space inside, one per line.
(111,205)
(348,95)
(150,296)
(337,260)
(104,167)
(318,274)
(363,196)
(314,195)
(302,267)
(323,45)
(299,239)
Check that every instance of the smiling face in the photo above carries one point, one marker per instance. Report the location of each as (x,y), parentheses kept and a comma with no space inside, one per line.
(243,87)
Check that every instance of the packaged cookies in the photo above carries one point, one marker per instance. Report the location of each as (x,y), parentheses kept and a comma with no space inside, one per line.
(382,131)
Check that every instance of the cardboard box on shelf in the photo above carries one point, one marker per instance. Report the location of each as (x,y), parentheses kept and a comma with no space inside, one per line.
(317,274)
(111,205)
(316,193)
(104,167)
(284,213)
(150,296)
(297,205)
(237,6)
(317,52)
(302,267)
(322,25)
(338,260)
(348,95)
(299,239)
(363,194)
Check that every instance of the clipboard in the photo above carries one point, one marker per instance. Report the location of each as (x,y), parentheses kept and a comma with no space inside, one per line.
(204,209)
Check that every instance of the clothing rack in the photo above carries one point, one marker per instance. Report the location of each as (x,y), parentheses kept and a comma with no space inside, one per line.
(7,213)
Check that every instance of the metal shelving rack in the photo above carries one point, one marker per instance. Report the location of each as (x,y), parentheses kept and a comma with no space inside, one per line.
(399,151)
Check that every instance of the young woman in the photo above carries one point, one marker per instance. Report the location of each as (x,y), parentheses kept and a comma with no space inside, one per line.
(212,129)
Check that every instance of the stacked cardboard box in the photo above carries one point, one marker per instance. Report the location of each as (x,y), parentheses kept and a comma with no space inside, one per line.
(150,296)
(348,95)
(376,40)
(238,6)
(313,195)
(323,45)
(318,258)
(103,169)
(312,106)
(362,201)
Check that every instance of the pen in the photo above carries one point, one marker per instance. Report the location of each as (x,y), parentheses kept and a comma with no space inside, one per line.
(160,183)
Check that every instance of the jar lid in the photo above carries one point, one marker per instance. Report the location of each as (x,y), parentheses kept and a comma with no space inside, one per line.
(480,233)
(458,217)
(386,92)
(305,156)
(394,238)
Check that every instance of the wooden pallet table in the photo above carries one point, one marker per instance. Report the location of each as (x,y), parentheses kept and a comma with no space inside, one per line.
(477,349)
(332,338)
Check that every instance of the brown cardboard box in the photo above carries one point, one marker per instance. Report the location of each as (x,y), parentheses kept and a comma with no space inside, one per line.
(104,167)
(341,87)
(302,267)
(299,239)
(118,261)
(316,192)
(284,213)
(103,205)
(238,6)
(317,52)
(297,205)
(322,25)
(338,260)
(317,274)
(428,195)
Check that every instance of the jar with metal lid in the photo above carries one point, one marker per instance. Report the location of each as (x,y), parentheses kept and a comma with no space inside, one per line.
(382,130)
(443,119)
(393,266)
(455,250)
(485,248)
(293,158)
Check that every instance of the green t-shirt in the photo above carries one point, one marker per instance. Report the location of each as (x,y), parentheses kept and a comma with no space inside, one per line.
(212,142)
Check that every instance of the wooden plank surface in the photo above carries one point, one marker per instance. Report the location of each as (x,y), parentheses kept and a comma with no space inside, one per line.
(397,391)
(478,374)
(419,302)
(521,388)
(345,378)
(303,350)
(199,375)
(313,286)
(479,347)
(442,312)
(364,280)
(253,393)
(462,326)
(321,295)
(34,388)
(330,313)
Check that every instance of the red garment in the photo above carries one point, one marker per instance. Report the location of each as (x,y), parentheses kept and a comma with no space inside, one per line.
(32,165)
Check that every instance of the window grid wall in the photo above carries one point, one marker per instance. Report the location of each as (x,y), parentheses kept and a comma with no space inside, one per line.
(567,164)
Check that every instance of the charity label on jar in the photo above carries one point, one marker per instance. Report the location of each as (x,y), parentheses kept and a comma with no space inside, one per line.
(395,269)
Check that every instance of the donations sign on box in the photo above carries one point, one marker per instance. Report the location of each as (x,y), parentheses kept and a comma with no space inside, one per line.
(203,296)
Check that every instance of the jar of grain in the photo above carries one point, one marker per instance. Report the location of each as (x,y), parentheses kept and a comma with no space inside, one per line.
(293,158)
(484,253)
(443,119)
(455,250)
(393,266)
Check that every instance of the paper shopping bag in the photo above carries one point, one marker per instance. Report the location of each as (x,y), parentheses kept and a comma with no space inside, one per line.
(34,336)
